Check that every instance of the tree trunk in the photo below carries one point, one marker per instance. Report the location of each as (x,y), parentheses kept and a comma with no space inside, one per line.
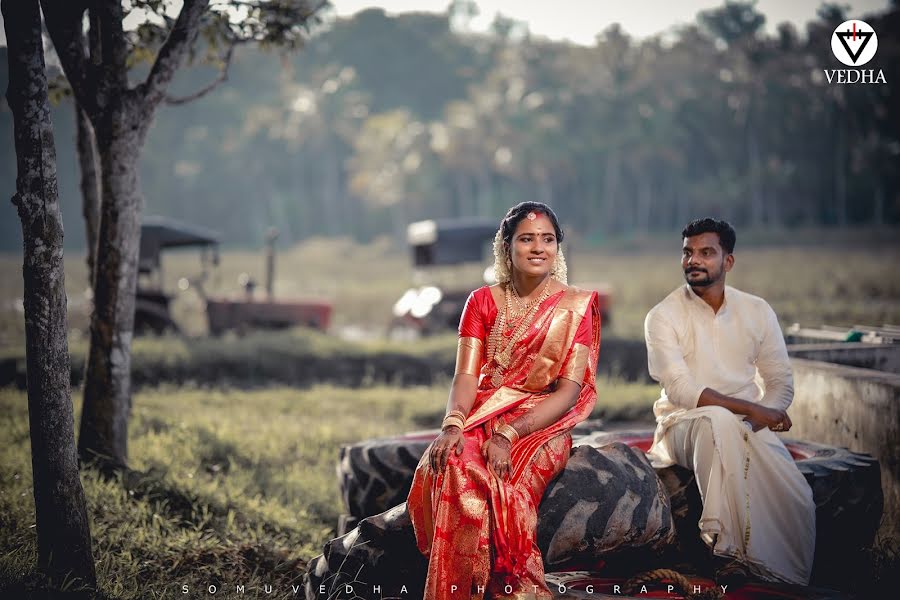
(611,181)
(464,199)
(90,186)
(757,201)
(485,193)
(878,218)
(644,202)
(840,170)
(330,190)
(63,533)
(107,390)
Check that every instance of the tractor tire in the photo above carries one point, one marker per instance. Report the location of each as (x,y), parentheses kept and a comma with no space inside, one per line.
(849,500)
(846,488)
(380,551)
(375,475)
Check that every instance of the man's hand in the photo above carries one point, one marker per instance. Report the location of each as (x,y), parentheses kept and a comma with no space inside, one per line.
(773,418)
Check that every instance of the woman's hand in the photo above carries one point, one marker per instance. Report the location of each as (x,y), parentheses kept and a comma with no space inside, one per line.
(451,439)
(496,453)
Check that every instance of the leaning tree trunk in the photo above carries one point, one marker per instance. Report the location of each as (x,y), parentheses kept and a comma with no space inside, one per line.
(90,186)
(107,391)
(63,533)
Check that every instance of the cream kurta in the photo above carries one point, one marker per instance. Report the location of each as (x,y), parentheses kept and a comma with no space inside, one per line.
(757,506)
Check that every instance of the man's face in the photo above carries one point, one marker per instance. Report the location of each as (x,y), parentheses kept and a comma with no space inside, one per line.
(703,260)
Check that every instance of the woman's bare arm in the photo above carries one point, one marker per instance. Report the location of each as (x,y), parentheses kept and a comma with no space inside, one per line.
(550,410)
(462,393)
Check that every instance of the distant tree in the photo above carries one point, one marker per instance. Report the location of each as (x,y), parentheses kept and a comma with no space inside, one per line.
(121,115)
(63,534)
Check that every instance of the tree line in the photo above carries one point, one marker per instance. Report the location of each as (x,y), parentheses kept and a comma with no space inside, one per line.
(382,120)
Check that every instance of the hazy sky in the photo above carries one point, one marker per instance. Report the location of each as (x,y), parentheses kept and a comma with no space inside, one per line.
(581,20)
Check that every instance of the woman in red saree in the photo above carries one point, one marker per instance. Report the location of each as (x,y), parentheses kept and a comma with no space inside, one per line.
(525,372)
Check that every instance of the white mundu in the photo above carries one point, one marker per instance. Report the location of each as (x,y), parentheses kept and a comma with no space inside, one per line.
(757,507)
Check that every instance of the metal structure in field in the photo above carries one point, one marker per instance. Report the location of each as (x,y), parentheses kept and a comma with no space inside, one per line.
(241,312)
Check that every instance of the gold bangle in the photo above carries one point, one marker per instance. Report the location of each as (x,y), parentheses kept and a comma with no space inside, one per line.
(456,412)
(452,421)
(508,432)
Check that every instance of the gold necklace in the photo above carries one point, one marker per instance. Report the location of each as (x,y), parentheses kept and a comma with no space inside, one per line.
(521,304)
(501,353)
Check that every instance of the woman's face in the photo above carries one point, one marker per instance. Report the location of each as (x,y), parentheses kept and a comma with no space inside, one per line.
(534,246)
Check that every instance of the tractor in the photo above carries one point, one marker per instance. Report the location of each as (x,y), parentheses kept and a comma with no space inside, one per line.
(240,312)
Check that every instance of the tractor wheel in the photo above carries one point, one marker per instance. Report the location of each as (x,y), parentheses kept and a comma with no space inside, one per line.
(375,475)
(846,488)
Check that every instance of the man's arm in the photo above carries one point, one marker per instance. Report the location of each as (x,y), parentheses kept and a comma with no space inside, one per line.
(774,366)
(757,415)
(665,360)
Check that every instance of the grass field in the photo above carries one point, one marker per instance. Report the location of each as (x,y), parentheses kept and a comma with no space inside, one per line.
(239,486)
(816,277)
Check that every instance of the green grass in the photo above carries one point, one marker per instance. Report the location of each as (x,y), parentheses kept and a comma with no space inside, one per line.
(241,486)
(238,486)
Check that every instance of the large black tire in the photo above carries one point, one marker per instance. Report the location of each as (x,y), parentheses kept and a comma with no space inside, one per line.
(606,505)
(846,488)
(849,499)
(375,475)
(381,552)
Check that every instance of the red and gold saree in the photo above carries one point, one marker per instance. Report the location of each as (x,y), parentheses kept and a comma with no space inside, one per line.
(477,530)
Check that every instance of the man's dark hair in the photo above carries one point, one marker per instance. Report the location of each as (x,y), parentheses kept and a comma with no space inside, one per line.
(727,236)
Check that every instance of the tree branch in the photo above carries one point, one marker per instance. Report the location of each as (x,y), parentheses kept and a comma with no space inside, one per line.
(63,19)
(172,53)
(223,76)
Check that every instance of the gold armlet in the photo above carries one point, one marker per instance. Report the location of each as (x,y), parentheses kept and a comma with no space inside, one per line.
(468,356)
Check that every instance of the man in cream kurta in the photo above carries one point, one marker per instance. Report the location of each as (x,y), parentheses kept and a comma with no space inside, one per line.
(721,359)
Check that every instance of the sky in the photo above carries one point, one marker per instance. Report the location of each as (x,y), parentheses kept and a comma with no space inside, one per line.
(580,21)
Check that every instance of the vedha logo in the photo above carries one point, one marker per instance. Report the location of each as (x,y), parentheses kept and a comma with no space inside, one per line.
(854,43)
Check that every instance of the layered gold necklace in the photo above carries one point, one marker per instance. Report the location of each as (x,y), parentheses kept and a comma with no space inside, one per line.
(501,342)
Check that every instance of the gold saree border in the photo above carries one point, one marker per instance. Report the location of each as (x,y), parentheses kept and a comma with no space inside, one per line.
(504,398)
(468,356)
(560,337)
(564,325)
(577,365)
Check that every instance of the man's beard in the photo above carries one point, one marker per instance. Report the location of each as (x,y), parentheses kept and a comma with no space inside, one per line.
(705,282)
